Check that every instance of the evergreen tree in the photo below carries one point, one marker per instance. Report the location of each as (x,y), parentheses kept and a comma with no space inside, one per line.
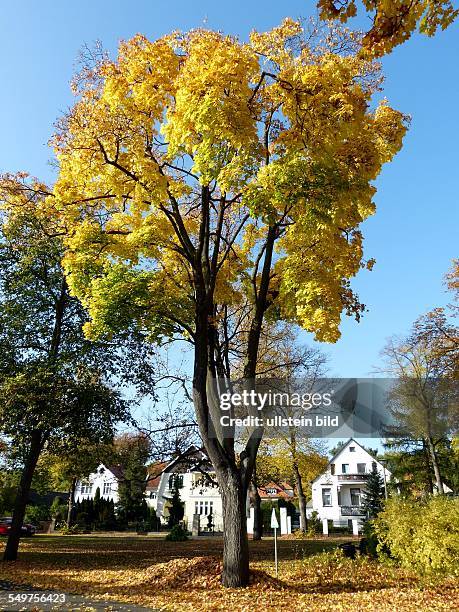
(176,510)
(374,494)
(133,452)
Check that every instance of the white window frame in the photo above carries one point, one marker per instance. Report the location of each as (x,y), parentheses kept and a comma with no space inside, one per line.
(86,488)
(327,491)
(352,491)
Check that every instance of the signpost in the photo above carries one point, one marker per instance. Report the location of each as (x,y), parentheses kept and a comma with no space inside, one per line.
(275,526)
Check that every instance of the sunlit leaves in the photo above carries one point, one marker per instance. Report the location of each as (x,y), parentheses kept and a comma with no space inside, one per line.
(275,132)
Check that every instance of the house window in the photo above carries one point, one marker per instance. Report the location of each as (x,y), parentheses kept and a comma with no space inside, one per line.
(355,497)
(152,495)
(203,508)
(332,469)
(352,449)
(176,481)
(271,491)
(107,488)
(345,468)
(361,468)
(326,497)
(339,497)
(86,488)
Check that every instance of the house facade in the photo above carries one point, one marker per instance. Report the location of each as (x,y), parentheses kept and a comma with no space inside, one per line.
(105,478)
(338,493)
(191,472)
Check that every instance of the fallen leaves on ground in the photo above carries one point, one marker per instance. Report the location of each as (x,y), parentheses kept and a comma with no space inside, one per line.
(186,576)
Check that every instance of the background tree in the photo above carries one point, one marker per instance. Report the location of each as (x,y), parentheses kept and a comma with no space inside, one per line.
(409,461)
(424,400)
(184,166)
(176,509)
(297,369)
(373,498)
(298,464)
(132,453)
(53,381)
(439,329)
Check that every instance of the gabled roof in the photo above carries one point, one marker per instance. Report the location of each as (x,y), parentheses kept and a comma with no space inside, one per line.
(339,451)
(281,491)
(116,470)
(155,471)
(193,457)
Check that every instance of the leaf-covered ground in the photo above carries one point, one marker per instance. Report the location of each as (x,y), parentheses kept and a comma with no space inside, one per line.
(186,576)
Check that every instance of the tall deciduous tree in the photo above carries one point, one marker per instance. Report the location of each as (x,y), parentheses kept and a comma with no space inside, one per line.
(281,357)
(54,383)
(424,400)
(196,172)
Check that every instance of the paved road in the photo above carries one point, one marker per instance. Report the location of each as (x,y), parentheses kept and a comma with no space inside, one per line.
(28,598)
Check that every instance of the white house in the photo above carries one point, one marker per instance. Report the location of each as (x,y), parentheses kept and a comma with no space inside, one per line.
(337,494)
(105,478)
(194,475)
(191,471)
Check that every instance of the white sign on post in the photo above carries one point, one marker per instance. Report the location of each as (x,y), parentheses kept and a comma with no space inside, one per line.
(275,526)
(274,521)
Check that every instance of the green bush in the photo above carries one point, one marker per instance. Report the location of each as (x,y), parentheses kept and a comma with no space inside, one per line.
(59,509)
(177,534)
(35,514)
(314,524)
(421,535)
(369,542)
(73,530)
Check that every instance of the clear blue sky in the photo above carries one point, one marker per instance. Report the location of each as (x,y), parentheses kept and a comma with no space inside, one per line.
(415,232)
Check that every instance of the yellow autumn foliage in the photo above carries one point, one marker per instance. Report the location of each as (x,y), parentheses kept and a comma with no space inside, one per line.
(277,132)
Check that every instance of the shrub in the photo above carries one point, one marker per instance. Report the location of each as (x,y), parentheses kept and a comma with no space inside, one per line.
(369,543)
(58,509)
(314,524)
(423,536)
(72,530)
(35,514)
(177,534)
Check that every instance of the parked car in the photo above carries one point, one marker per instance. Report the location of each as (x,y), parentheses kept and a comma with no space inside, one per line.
(27,529)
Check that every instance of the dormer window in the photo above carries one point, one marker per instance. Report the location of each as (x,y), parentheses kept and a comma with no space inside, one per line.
(271,491)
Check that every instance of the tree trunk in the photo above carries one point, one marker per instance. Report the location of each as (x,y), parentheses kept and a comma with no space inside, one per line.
(22,497)
(436,468)
(301,498)
(235,542)
(428,467)
(71,504)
